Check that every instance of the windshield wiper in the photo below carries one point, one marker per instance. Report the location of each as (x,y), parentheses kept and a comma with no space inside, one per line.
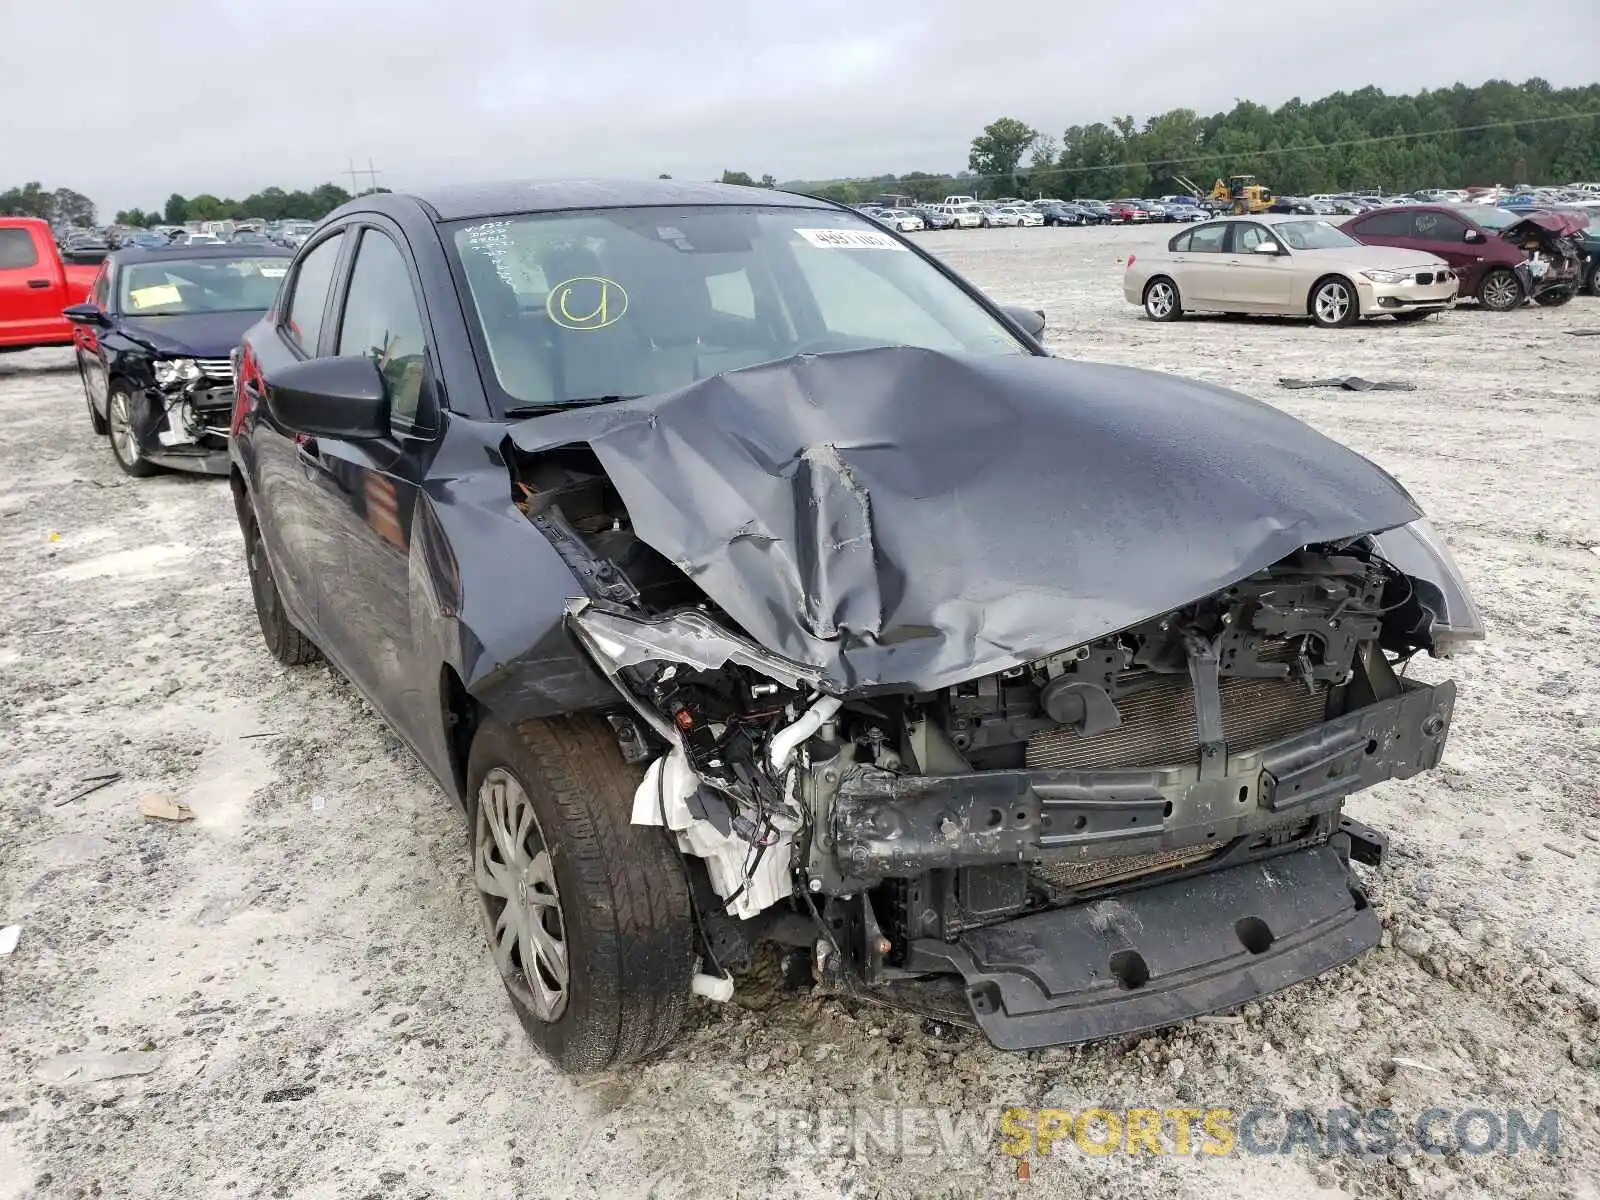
(537,410)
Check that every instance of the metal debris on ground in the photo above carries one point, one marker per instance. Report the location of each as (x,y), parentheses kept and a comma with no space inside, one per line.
(1582,332)
(1351,383)
(93,783)
(1562,850)
(163,806)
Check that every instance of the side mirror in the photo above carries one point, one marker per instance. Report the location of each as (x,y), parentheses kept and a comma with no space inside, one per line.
(330,397)
(1266,248)
(85,314)
(1029,320)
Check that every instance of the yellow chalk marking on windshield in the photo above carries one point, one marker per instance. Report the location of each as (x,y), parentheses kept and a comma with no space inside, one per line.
(150,297)
(610,300)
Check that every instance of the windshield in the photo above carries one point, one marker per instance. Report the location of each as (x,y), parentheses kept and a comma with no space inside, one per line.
(174,287)
(1313,235)
(1490,217)
(623,302)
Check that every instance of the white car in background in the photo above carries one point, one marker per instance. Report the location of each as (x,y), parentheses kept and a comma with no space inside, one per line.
(902,220)
(1288,265)
(1024,214)
(991,216)
(963,216)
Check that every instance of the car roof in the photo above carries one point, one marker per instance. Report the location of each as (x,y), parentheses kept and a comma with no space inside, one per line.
(1270,218)
(456,202)
(141,254)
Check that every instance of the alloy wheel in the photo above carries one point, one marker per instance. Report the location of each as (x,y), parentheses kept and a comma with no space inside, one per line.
(516,880)
(1500,291)
(1333,303)
(124,441)
(1158,301)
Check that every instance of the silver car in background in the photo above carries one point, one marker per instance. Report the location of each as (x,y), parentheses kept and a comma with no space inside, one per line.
(1286,265)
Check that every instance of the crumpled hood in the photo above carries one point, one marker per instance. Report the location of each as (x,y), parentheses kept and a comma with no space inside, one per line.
(1559,223)
(905,517)
(198,335)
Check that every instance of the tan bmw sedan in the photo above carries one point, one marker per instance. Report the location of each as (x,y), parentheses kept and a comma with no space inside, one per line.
(1288,265)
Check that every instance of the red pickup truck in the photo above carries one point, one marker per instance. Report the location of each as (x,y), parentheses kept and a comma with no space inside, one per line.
(35,285)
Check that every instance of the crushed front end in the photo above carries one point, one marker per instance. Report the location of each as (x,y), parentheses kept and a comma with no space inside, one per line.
(1113,837)
(187,413)
(1057,779)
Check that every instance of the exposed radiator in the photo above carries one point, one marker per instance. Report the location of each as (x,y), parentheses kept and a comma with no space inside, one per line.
(1158,724)
(1107,871)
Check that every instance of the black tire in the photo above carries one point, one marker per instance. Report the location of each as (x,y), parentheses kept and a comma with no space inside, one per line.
(1593,285)
(622,901)
(284,639)
(1161,299)
(1555,299)
(1333,303)
(124,415)
(1500,290)
(96,421)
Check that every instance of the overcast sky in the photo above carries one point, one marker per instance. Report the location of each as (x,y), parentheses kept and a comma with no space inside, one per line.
(128,104)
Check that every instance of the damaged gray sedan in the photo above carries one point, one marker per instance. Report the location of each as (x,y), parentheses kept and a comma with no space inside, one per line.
(750,578)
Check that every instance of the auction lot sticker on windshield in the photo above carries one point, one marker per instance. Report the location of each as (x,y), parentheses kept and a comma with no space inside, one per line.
(850,239)
(154,297)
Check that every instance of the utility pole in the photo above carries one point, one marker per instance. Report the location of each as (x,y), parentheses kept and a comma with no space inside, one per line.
(372,174)
(354,186)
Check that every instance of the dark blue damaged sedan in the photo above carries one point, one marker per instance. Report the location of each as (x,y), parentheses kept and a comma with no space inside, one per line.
(747,576)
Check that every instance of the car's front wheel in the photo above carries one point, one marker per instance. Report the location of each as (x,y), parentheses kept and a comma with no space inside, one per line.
(587,915)
(123,409)
(1161,300)
(1594,280)
(284,639)
(1334,304)
(1500,291)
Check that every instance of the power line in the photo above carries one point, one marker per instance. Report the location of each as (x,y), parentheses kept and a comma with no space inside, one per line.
(1282,150)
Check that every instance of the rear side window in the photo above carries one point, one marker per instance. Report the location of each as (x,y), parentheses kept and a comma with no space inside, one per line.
(1439,227)
(1384,224)
(303,319)
(17,249)
(382,322)
(100,294)
(1206,239)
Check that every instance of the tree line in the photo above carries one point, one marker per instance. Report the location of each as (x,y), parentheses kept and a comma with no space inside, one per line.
(1500,132)
(1365,140)
(63,206)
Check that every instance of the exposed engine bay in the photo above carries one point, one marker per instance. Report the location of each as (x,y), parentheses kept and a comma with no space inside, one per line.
(194,410)
(908,837)
(1554,258)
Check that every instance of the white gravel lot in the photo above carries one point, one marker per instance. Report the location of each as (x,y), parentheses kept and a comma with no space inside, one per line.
(301,968)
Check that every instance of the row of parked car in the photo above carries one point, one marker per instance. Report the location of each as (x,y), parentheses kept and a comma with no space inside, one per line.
(1404,261)
(965,212)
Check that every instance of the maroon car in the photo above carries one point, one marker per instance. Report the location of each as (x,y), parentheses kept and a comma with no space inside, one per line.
(1503,258)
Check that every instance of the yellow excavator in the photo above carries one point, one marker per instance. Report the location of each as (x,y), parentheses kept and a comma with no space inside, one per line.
(1241,193)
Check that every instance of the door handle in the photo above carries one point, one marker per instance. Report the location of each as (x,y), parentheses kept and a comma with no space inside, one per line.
(38,283)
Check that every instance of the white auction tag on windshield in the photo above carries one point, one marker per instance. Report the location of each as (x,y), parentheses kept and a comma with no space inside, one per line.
(850,239)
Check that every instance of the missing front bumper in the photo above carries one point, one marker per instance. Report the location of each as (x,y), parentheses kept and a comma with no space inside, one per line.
(883,825)
(1158,956)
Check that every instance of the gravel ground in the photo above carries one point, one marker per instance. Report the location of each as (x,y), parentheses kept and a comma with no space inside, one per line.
(298,977)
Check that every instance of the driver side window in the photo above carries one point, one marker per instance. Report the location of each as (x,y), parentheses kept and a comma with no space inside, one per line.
(382,322)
